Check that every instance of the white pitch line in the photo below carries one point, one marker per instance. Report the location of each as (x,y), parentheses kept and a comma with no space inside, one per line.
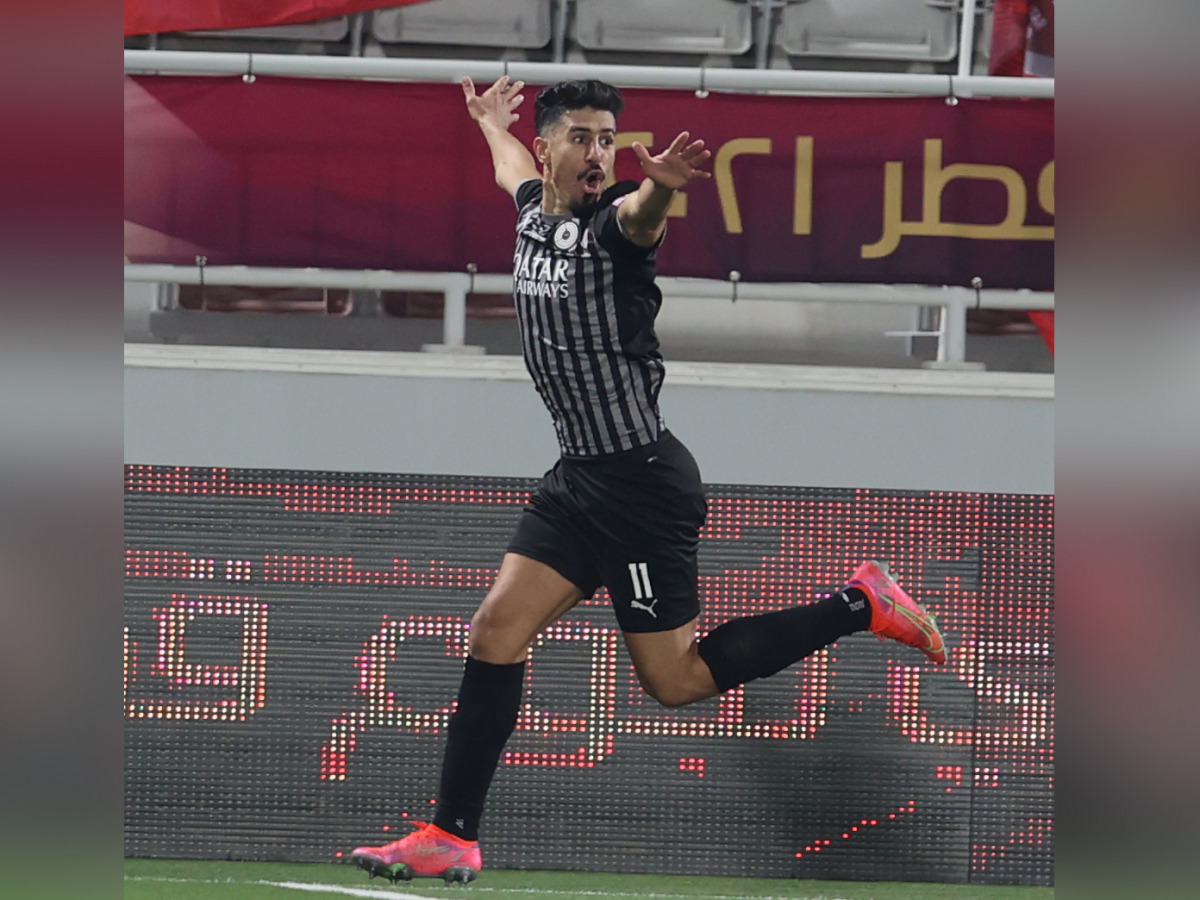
(386,894)
(383,892)
(319,888)
(652,896)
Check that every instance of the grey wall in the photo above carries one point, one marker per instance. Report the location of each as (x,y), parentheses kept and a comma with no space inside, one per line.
(429,414)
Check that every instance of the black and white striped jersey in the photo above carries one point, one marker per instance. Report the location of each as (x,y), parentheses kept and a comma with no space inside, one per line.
(586,303)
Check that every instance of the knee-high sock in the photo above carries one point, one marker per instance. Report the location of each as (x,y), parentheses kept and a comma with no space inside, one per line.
(488,701)
(757,646)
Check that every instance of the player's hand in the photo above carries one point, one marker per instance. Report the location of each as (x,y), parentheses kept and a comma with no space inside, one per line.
(678,165)
(497,105)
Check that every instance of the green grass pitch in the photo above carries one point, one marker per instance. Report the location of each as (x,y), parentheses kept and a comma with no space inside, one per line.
(158,879)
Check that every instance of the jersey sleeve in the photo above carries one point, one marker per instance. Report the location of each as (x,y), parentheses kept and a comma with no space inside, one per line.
(527,192)
(609,232)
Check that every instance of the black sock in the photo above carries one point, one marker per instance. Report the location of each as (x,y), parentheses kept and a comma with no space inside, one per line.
(488,701)
(757,646)
(859,606)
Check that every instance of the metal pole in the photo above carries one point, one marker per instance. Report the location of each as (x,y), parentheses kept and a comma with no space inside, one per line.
(454,315)
(966,44)
(356,34)
(799,81)
(952,341)
(762,32)
(560,31)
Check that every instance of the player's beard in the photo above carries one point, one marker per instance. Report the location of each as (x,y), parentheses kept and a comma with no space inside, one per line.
(583,207)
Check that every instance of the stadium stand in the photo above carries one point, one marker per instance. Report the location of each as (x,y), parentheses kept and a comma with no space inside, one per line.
(861,35)
(918,36)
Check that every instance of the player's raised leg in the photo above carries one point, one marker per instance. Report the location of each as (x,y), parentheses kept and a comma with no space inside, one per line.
(676,669)
(895,615)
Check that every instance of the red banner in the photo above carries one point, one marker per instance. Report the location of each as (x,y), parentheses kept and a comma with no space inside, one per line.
(291,172)
(156,16)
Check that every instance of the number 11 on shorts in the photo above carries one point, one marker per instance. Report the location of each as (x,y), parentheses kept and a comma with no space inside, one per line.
(641,581)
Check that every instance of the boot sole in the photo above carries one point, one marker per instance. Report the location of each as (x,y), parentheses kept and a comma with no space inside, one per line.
(403,872)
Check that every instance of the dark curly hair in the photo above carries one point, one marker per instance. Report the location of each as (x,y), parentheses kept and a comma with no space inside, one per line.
(556,99)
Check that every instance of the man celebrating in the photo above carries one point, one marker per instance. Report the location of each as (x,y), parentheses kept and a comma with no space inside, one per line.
(624,504)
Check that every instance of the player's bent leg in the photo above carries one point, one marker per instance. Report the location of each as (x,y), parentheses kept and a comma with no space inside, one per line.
(526,596)
(669,667)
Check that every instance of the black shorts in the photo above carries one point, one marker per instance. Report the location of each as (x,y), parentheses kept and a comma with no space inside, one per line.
(630,522)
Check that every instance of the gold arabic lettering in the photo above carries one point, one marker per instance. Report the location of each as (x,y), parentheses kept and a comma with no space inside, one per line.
(723,175)
(936,177)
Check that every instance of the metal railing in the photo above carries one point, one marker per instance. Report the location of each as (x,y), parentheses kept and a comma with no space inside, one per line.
(455,287)
(700,79)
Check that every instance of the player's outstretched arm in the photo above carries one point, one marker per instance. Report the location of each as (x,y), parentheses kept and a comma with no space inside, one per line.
(643,215)
(494,111)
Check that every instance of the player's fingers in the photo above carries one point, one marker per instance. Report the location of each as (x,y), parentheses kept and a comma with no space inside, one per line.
(679,142)
(468,87)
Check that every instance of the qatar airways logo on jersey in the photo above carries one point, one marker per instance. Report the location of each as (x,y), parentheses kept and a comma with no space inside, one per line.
(541,276)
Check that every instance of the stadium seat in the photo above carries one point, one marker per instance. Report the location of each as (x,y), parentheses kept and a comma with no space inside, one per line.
(325,30)
(870,29)
(698,26)
(495,23)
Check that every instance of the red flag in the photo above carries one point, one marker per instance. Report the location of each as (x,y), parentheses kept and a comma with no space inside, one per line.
(1023,44)
(1022,38)
(1044,320)
(1010,23)
(1039,39)
(154,16)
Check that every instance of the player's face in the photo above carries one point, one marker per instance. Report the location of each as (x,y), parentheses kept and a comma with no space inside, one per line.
(577,158)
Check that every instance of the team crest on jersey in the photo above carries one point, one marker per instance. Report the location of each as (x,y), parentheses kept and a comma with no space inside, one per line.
(566,235)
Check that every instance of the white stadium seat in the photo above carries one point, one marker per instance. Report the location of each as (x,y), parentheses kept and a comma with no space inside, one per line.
(328,30)
(494,23)
(664,26)
(870,29)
